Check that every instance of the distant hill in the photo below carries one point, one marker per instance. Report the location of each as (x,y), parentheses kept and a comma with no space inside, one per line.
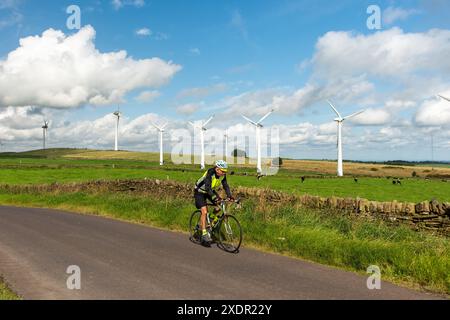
(41,153)
(81,154)
(389,162)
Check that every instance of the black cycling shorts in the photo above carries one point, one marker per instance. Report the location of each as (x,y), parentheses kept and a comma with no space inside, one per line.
(200,199)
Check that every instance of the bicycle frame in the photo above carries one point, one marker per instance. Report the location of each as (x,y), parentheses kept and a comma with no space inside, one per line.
(216,230)
(223,209)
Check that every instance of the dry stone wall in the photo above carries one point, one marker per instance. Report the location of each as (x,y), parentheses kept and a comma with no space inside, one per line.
(428,215)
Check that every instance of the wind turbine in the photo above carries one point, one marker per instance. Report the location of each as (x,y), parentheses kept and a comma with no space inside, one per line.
(118,115)
(225,136)
(44,131)
(340,120)
(442,97)
(161,132)
(258,127)
(202,129)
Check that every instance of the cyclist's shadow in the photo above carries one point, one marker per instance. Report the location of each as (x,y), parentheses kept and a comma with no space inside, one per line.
(222,246)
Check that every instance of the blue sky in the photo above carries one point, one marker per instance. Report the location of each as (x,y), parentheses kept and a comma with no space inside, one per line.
(236,56)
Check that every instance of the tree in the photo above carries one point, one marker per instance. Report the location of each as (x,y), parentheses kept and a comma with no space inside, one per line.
(277,162)
(239,153)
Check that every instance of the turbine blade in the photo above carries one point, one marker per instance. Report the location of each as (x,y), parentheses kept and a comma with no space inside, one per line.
(164,126)
(448,99)
(154,125)
(265,117)
(249,120)
(192,124)
(208,121)
(354,114)
(331,105)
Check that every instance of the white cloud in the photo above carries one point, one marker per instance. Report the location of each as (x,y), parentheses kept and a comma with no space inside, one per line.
(393,14)
(59,71)
(194,51)
(12,16)
(328,128)
(391,53)
(416,65)
(147,96)
(189,108)
(242,68)
(161,36)
(398,105)
(346,69)
(13,19)
(118,4)
(144,32)
(238,22)
(435,112)
(372,117)
(20,129)
(290,102)
(302,66)
(201,92)
(9,4)
(21,118)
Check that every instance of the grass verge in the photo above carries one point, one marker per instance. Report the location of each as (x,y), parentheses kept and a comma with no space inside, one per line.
(405,257)
(6,293)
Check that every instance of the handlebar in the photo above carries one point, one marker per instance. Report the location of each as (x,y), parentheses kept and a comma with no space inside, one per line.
(237,201)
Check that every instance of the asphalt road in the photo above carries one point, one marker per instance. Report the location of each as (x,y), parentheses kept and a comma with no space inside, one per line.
(126,261)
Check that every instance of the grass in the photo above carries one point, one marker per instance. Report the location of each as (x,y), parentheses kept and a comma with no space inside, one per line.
(404,256)
(75,165)
(41,171)
(369,169)
(6,293)
(316,167)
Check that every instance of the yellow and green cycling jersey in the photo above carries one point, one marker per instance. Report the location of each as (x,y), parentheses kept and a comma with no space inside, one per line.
(210,182)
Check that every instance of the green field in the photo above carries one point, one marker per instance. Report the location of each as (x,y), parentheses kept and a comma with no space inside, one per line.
(55,167)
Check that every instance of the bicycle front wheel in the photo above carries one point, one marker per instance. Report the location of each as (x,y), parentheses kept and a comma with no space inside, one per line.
(194,227)
(230,234)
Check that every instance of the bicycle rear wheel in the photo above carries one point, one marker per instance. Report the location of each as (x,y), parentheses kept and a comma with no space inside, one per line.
(230,234)
(194,227)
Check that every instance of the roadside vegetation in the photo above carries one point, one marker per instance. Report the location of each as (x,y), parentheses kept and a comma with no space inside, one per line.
(6,293)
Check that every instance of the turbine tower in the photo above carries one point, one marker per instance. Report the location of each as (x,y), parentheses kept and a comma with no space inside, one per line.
(442,97)
(161,132)
(118,115)
(202,129)
(44,131)
(225,137)
(258,127)
(340,120)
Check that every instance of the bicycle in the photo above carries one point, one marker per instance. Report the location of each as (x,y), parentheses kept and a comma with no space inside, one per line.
(226,231)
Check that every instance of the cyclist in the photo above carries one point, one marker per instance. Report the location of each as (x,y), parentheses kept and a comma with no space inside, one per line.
(205,189)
